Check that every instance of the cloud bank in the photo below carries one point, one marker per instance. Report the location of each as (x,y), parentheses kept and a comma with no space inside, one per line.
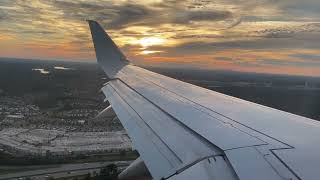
(245,35)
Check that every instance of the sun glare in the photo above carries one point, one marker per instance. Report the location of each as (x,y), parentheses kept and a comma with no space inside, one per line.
(149,52)
(150,41)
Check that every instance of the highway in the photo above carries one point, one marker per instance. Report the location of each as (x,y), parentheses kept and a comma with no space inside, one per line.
(64,170)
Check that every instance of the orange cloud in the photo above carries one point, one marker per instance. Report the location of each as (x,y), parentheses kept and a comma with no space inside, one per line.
(261,61)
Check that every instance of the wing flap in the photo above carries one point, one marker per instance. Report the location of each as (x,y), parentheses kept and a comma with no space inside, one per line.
(179,144)
(248,163)
(208,169)
(147,143)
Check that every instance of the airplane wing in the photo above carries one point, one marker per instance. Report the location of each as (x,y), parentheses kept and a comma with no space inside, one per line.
(183,131)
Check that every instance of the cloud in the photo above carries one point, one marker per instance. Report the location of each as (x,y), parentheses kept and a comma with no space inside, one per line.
(308,42)
(308,57)
(208,15)
(80,11)
(2,16)
(235,23)
(117,16)
(130,14)
(224,59)
(196,16)
(274,62)
(111,15)
(289,32)
(32,32)
(303,9)
(289,62)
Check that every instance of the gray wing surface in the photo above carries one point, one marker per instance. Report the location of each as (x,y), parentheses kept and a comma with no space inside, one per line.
(183,131)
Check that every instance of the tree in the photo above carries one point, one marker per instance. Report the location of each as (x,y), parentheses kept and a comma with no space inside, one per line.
(110,172)
(87,177)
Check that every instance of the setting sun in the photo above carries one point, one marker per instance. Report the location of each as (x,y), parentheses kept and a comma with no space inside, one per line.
(150,41)
(149,52)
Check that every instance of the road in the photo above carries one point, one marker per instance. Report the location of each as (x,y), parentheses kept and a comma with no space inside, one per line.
(64,170)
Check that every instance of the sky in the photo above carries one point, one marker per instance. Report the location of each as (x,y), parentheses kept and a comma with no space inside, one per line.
(262,36)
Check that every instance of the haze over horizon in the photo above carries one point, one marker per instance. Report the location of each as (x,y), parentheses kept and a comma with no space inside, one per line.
(268,36)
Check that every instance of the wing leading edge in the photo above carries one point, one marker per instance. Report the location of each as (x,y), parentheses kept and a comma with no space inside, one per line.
(183,131)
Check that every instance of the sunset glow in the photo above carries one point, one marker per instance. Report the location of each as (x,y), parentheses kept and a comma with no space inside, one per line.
(268,36)
(150,41)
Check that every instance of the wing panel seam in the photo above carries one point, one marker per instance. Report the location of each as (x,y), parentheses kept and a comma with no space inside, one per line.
(216,113)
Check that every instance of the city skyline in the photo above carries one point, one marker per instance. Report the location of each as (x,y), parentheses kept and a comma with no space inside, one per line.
(269,36)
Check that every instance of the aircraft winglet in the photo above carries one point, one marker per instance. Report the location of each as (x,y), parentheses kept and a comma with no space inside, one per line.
(108,54)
